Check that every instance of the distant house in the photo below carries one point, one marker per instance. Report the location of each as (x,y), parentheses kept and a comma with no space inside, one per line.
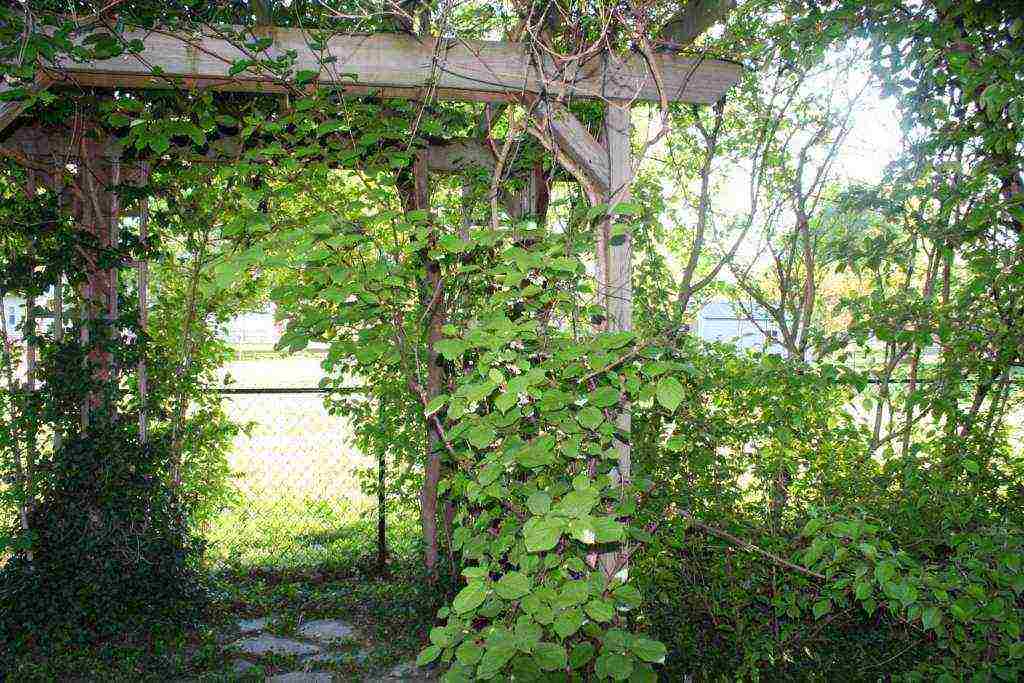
(14,315)
(257,328)
(723,320)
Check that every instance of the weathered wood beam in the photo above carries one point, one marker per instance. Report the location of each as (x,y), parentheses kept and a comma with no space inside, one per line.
(11,109)
(573,146)
(401,65)
(460,155)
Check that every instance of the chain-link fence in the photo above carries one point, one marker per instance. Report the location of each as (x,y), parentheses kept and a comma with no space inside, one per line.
(296,471)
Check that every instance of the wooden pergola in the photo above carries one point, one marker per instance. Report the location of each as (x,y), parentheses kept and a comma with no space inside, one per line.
(424,68)
(393,65)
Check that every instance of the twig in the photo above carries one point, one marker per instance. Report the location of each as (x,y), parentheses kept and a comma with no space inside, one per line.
(747,545)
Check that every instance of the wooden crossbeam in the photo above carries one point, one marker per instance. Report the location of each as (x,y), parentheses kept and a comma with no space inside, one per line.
(401,65)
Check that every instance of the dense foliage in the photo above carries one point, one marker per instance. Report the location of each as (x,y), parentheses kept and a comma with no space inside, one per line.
(614,497)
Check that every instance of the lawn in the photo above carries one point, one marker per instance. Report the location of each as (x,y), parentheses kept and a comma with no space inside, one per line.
(296,473)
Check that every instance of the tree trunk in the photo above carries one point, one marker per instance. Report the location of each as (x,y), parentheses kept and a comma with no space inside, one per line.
(415,193)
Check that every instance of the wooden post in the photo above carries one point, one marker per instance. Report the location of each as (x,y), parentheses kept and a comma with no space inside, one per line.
(415,195)
(58,337)
(143,270)
(615,282)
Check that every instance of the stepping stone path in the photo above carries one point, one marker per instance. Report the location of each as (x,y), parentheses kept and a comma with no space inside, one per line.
(308,644)
(302,677)
(246,626)
(358,657)
(274,645)
(242,666)
(326,630)
(406,672)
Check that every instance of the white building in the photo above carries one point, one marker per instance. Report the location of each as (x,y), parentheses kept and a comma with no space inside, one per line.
(14,315)
(257,328)
(723,320)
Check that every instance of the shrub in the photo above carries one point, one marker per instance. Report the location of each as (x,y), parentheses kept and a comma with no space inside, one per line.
(111,550)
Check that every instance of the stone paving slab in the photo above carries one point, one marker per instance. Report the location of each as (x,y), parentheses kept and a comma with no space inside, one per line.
(406,672)
(247,626)
(358,657)
(241,666)
(326,630)
(302,677)
(267,644)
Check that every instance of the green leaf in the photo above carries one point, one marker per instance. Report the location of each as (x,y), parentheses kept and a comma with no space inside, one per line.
(649,650)
(580,655)
(527,633)
(931,617)
(440,636)
(643,674)
(160,144)
(469,652)
(537,454)
(539,503)
(600,610)
(590,417)
(884,571)
(470,597)
(812,526)
(822,607)
(550,656)
(603,397)
(429,654)
(496,656)
(573,593)
(305,76)
(568,622)
(481,436)
(615,666)
(628,595)
(608,530)
(239,66)
(451,349)
(669,393)
(596,210)
(971,466)
(512,586)
(506,401)
(577,503)
(541,533)
(963,608)
(435,405)
(489,474)
(626,209)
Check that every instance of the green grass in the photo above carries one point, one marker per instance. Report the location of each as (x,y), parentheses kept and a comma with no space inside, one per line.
(296,473)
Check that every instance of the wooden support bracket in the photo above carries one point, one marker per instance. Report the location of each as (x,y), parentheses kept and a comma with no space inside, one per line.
(573,146)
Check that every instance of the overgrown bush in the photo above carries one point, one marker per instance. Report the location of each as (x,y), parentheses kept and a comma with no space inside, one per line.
(110,551)
(867,567)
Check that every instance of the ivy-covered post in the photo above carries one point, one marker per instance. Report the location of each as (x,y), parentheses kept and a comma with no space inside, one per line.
(143,285)
(615,281)
(58,339)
